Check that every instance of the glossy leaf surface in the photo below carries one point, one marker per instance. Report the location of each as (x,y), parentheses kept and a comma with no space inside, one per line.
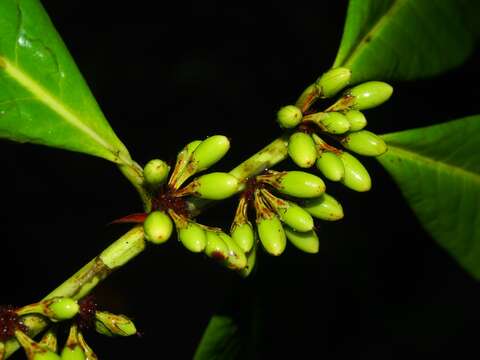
(220,340)
(43,97)
(438,171)
(406,39)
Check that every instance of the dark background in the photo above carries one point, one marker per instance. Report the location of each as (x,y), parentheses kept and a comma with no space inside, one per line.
(380,287)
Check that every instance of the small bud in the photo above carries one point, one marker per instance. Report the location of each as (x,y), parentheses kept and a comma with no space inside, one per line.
(156,172)
(180,175)
(289,116)
(330,165)
(305,241)
(370,94)
(356,176)
(190,234)
(302,150)
(111,324)
(56,309)
(334,80)
(294,183)
(72,349)
(357,120)
(209,152)
(269,228)
(364,142)
(289,212)
(324,207)
(158,227)
(34,350)
(213,186)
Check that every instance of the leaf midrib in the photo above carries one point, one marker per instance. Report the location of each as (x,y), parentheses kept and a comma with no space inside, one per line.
(378,26)
(442,166)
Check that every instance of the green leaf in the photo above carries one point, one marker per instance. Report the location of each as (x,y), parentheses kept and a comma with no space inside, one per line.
(438,171)
(43,97)
(406,39)
(220,340)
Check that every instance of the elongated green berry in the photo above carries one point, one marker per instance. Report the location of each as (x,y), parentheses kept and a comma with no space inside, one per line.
(243,235)
(324,207)
(295,183)
(334,80)
(110,324)
(289,212)
(56,309)
(356,176)
(356,119)
(305,241)
(269,228)
(210,151)
(237,260)
(180,173)
(158,227)
(156,172)
(89,354)
(34,350)
(289,116)
(213,186)
(251,260)
(190,234)
(330,166)
(335,123)
(364,142)
(216,248)
(302,150)
(370,94)
(72,349)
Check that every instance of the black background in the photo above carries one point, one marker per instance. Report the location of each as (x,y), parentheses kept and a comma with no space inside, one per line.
(167,74)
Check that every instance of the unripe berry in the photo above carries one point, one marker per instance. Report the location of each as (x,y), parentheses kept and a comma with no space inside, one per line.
(216,248)
(330,166)
(356,176)
(237,259)
(209,152)
(73,353)
(335,123)
(334,80)
(216,186)
(251,259)
(305,241)
(364,142)
(272,235)
(324,207)
(295,183)
(357,120)
(302,150)
(156,172)
(289,116)
(370,94)
(63,308)
(243,235)
(193,237)
(158,227)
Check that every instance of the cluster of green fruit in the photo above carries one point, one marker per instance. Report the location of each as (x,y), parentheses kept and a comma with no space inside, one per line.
(61,309)
(342,122)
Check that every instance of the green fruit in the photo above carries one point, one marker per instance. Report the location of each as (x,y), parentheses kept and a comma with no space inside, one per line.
(156,172)
(356,119)
(243,235)
(210,151)
(289,116)
(158,227)
(47,355)
(334,80)
(63,308)
(334,123)
(356,176)
(305,241)
(272,235)
(110,324)
(370,94)
(216,248)
(364,142)
(193,237)
(237,260)
(330,166)
(75,353)
(324,207)
(216,186)
(251,259)
(302,150)
(299,184)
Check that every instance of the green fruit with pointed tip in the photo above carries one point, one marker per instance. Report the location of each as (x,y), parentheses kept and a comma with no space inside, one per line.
(289,116)
(75,353)
(302,150)
(237,260)
(370,94)
(210,151)
(325,207)
(334,80)
(158,227)
(110,324)
(156,172)
(305,241)
(335,123)
(357,120)
(330,165)
(271,234)
(295,217)
(300,184)
(63,308)
(216,248)
(193,237)
(216,186)
(356,176)
(243,235)
(364,142)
